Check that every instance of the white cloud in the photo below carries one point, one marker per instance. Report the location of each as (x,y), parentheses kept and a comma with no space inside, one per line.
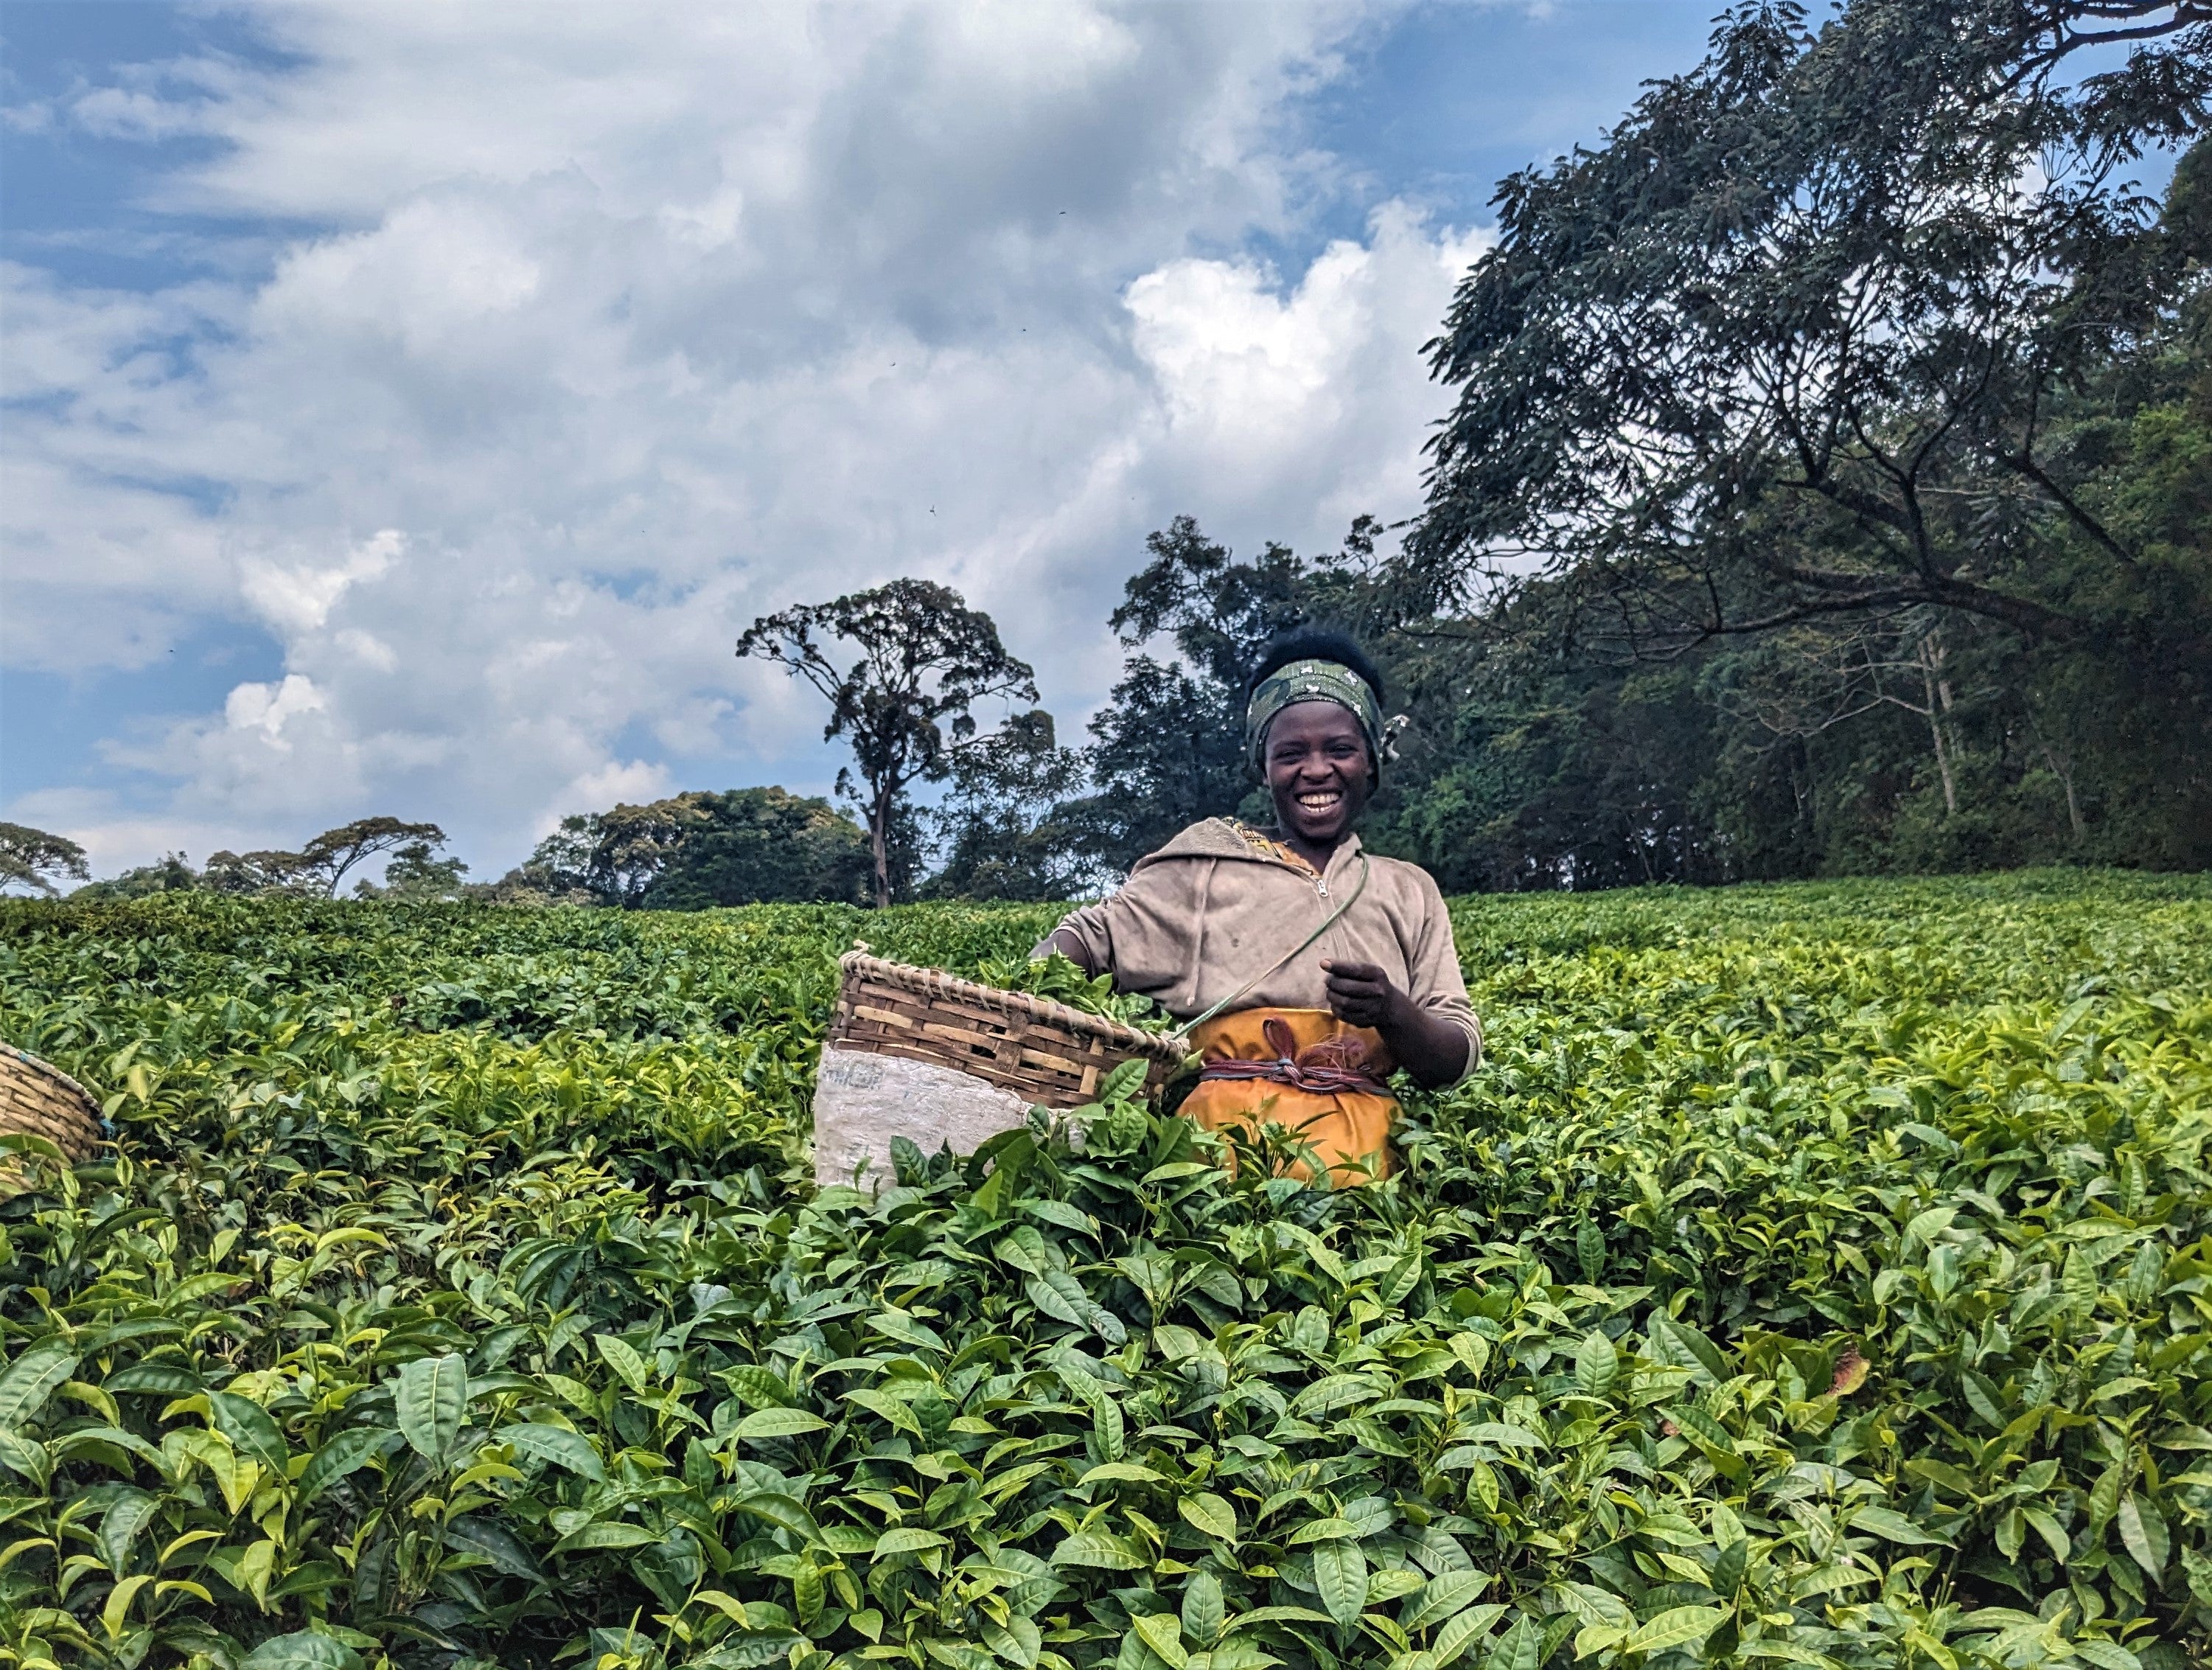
(267,708)
(617,783)
(629,323)
(117,112)
(298,600)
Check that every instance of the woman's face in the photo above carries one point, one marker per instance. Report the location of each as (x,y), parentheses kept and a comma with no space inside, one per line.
(1318,770)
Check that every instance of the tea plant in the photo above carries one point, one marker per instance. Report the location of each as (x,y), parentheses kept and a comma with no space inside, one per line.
(1812,1274)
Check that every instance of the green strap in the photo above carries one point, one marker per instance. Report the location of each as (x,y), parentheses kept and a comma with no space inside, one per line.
(1184,1031)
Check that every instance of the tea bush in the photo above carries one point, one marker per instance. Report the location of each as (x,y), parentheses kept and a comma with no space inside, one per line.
(1814,1274)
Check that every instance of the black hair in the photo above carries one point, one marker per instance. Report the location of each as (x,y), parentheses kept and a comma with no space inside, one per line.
(1317,643)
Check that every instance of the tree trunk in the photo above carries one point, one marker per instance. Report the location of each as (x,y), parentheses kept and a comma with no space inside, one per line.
(2063,770)
(1939,701)
(879,843)
(2073,806)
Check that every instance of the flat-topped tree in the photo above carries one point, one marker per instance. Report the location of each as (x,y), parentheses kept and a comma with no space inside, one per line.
(326,859)
(317,869)
(33,858)
(925,659)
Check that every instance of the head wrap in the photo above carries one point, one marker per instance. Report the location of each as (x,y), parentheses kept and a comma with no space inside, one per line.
(1317,681)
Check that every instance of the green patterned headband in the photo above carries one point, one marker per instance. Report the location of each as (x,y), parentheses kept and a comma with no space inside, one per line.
(1316,681)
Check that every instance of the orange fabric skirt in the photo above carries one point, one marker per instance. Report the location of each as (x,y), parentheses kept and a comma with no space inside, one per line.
(1347,1131)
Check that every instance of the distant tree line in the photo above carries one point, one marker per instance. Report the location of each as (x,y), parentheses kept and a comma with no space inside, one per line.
(746,846)
(1827,488)
(414,867)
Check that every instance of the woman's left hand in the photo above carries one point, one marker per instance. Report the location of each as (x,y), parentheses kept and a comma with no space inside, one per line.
(1426,1046)
(1360,993)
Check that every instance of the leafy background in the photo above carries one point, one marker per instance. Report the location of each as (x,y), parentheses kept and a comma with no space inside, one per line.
(1816,1274)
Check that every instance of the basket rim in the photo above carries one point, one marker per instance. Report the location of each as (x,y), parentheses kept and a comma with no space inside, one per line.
(1015,1005)
(40,1064)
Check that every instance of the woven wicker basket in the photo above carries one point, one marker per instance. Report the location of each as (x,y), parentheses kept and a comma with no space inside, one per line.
(38,1098)
(1046,1052)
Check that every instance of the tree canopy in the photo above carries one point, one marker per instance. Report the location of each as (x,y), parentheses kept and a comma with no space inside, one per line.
(33,858)
(1802,338)
(695,850)
(319,867)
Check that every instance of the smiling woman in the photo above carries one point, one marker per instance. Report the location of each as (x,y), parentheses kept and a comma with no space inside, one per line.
(1306,970)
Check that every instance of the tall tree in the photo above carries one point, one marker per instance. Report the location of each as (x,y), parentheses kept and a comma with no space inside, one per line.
(33,858)
(1794,342)
(1168,747)
(317,869)
(1003,830)
(612,858)
(416,875)
(173,873)
(270,870)
(925,659)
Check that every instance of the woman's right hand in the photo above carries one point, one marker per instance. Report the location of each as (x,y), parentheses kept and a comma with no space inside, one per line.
(1072,949)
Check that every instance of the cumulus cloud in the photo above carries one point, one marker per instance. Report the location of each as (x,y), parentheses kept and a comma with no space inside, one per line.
(621,326)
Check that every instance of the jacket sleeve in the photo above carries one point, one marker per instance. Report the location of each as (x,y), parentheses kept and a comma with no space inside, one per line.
(1439,986)
(1143,933)
(1092,927)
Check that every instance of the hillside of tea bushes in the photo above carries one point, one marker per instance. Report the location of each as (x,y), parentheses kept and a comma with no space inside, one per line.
(1814,1274)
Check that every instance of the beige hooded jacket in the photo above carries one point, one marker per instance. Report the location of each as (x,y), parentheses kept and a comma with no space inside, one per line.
(1208,912)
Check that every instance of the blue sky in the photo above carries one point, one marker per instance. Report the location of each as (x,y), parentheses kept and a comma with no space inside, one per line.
(408,405)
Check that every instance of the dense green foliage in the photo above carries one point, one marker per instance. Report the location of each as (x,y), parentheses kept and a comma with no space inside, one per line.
(1814,1274)
(697,850)
(1828,484)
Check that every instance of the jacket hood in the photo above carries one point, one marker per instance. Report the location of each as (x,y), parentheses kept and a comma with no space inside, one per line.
(1217,837)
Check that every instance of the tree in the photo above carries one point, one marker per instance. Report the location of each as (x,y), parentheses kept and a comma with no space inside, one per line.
(325,861)
(695,851)
(926,659)
(33,858)
(416,874)
(1798,339)
(269,871)
(1004,828)
(614,858)
(173,873)
(316,870)
(764,846)
(1168,748)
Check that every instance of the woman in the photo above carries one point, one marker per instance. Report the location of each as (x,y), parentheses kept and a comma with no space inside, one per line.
(1312,968)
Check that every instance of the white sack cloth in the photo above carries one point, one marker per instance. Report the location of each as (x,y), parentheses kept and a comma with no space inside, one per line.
(862,1100)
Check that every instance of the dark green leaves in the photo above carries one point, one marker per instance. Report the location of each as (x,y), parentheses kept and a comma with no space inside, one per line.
(1596,1364)
(343,1453)
(30,1380)
(429,1400)
(306,1649)
(1203,1611)
(248,1427)
(1339,1571)
(557,1445)
(1402,1427)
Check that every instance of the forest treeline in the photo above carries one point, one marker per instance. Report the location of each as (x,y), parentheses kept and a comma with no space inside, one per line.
(1826,489)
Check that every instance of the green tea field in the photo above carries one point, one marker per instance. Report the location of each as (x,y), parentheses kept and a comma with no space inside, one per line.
(1816,1274)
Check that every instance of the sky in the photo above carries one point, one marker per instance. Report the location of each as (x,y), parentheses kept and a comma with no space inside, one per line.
(404,407)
